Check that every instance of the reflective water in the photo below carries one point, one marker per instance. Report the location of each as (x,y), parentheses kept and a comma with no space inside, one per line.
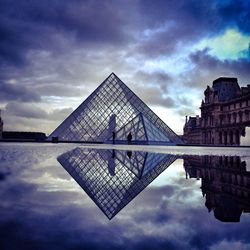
(157,198)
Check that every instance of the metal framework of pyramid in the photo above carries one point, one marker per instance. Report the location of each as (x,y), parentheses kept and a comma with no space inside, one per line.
(113,178)
(112,112)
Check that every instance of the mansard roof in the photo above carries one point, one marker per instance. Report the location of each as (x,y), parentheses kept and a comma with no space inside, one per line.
(226,88)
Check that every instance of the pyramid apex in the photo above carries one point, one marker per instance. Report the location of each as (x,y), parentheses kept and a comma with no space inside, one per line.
(113,74)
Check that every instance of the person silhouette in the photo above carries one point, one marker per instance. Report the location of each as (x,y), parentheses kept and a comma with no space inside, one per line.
(113,137)
(129,138)
(111,163)
(129,154)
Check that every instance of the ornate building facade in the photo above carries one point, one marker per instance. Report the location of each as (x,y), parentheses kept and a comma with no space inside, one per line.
(225,113)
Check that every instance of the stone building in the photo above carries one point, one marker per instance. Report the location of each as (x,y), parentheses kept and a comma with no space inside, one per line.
(225,113)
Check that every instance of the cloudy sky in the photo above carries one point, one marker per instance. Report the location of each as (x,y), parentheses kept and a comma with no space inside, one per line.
(53,54)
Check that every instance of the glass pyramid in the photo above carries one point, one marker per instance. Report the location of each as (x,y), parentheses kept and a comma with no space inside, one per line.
(111,113)
(112,178)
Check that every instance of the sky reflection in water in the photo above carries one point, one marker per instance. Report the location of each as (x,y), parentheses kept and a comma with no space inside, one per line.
(42,207)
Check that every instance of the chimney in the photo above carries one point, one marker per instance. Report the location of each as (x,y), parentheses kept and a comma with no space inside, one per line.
(197,120)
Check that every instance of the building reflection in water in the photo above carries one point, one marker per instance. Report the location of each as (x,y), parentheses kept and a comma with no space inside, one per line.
(112,178)
(225,183)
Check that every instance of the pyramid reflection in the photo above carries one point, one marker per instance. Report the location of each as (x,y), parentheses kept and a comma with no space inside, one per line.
(112,178)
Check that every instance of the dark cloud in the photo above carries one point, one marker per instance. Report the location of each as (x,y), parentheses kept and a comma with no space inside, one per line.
(59,89)
(31,117)
(31,25)
(175,24)
(236,13)
(152,87)
(154,96)
(10,92)
(66,48)
(29,110)
(85,21)
(155,78)
(158,215)
(208,68)
(4,175)
(25,110)
(47,25)
(19,123)
(183,111)
(59,114)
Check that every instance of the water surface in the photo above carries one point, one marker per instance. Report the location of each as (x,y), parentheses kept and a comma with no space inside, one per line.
(71,197)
